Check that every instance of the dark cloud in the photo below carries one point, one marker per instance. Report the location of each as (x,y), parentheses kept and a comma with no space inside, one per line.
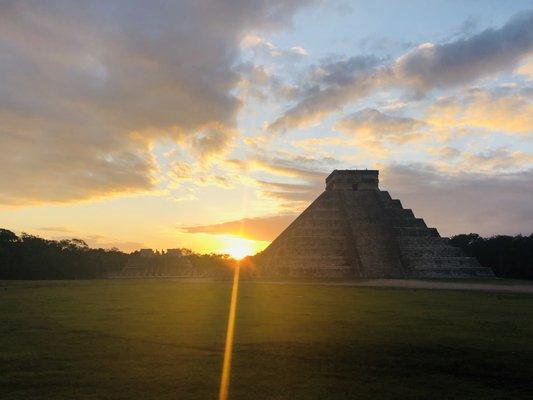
(467,28)
(424,68)
(465,60)
(342,72)
(87,88)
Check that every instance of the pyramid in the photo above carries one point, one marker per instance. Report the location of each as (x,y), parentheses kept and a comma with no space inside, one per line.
(354,229)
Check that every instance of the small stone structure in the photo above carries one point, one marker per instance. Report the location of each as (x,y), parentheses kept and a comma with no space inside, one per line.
(354,229)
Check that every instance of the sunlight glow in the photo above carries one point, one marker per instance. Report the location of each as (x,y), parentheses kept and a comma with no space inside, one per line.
(239,248)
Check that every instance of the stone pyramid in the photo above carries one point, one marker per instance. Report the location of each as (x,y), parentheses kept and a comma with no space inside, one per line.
(353,229)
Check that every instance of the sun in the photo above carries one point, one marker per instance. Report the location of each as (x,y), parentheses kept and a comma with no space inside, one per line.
(239,248)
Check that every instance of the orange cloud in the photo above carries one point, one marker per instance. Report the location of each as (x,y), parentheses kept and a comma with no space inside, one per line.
(260,228)
(507,111)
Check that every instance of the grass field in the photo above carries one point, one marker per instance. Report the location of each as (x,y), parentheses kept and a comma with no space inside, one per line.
(164,339)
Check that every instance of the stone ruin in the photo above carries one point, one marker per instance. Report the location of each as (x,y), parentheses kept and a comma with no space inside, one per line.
(354,229)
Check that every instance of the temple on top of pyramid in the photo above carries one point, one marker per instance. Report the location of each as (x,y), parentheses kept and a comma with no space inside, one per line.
(353,179)
(354,229)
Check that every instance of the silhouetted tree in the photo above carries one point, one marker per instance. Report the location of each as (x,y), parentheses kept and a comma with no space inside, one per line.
(31,257)
(507,256)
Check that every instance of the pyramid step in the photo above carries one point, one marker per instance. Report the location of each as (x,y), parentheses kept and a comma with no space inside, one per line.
(408,222)
(315,232)
(311,256)
(316,240)
(440,262)
(314,262)
(404,231)
(315,255)
(322,224)
(419,241)
(384,196)
(400,213)
(327,208)
(299,248)
(455,272)
(322,232)
(330,271)
(393,204)
(333,214)
(431,251)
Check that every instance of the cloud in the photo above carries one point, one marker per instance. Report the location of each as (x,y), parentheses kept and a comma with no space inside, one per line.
(465,60)
(467,28)
(292,196)
(445,152)
(488,204)
(499,159)
(283,164)
(373,128)
(56,229)
(211,142)
(332,86)
(294,167)
(505,109)
(332,72)
(40,167)
(260,228)
(526,69)
(302,179)
(491,161)
(299,50)
(294,179)
(427,67)
(87,89)
(263,47)
(260,82)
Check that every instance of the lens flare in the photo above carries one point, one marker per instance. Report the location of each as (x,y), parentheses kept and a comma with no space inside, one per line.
(239,248)
(228,348)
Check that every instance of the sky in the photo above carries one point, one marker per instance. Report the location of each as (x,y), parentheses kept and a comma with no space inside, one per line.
(210,124)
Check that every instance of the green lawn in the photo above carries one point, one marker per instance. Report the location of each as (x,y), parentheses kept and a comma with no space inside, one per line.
(164,339)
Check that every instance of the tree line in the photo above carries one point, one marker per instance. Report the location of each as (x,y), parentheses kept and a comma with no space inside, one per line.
(32,257)
(507,256)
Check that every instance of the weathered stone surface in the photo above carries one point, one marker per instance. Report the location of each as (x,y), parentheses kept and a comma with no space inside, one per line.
(353,229)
